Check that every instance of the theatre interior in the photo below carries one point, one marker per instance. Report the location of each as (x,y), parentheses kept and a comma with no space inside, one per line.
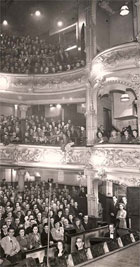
(70,133)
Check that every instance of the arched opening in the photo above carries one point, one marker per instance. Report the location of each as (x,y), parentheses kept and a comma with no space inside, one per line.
(114,111)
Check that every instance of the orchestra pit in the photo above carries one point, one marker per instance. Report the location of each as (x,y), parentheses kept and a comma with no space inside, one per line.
(70,133)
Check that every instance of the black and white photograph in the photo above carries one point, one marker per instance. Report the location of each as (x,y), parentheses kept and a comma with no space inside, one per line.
(70,133)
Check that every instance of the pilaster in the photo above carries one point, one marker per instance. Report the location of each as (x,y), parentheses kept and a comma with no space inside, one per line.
(23,110)
(92,193)
(137,4)
(138,114)
(91,32)
(21,178)
(91,115)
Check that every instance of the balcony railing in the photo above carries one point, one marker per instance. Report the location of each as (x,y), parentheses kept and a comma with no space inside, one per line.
(122,158)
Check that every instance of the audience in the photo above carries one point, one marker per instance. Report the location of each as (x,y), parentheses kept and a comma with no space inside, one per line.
(24,217)
(27,55)
(126,136)
(38,131)
(18,237)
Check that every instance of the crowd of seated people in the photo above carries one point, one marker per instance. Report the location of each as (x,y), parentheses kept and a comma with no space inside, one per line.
(27,55)
(24,216)
(24,223)
(38,131)
(126,136)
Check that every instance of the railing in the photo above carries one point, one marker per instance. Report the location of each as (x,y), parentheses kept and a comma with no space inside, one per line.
(30,84)
(110,157)
(44,156)
(119,163)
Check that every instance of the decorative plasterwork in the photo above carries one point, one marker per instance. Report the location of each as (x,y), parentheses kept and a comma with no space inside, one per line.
(117,163)
(30,84)
(123,179)
(43,155)
(119,57)
(118,65)
(126,157)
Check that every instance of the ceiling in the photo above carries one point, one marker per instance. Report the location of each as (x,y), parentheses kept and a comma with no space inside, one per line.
(21,18)
(20,13)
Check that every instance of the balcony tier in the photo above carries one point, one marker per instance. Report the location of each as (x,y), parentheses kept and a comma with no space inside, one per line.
(118,163)
(30,89)
(117,68)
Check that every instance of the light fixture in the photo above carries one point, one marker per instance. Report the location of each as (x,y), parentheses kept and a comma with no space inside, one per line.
(60,23)
(124,10)
(3,83)
(71,47)
(124,97)
(37,13)
(58,106)
(5,22)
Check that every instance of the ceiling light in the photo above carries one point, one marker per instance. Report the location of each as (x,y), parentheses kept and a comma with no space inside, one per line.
(59,23)
(3,83)
(124,10)
(58,106)
(124,97)
(5,22)
(37,13)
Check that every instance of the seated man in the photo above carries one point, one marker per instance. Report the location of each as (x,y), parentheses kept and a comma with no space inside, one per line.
(88,223)
(112,233)
(82,254)
(11,246)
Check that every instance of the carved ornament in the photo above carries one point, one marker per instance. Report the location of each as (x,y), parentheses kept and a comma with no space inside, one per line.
(116,158)
(49,82)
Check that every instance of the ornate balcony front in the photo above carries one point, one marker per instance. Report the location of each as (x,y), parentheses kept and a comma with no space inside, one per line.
(29,89)
(44,156)
(118,163)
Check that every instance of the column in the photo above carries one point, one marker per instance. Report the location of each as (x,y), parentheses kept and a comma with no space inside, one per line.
(108,188)
(21,177)
(23,110)
(16,110)
(92,193)
(91,114)
(138,114)
(137,4)
(91,49)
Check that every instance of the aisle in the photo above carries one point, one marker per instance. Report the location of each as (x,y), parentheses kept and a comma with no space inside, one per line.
(129,257)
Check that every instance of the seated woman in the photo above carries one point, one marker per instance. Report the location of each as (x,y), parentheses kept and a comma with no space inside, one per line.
(23,240)
(114,138)
(100,138)
(78,226)
(60,255)
(57,232)
(135,137)
(126,138)
(34,238)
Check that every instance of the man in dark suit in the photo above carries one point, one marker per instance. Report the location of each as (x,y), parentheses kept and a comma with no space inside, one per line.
(88,223)
(113,209)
